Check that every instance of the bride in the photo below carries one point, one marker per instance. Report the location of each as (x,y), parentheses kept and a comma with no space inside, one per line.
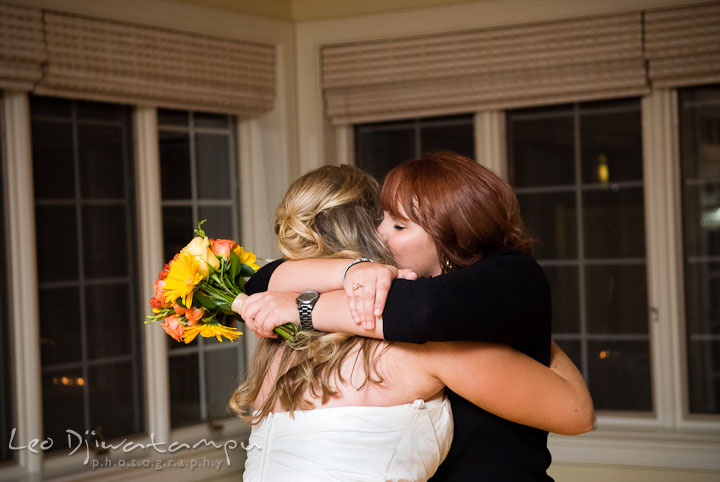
(341,407)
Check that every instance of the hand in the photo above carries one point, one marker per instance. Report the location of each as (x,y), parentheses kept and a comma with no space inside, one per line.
(407,274)
(262,312)
(366,286)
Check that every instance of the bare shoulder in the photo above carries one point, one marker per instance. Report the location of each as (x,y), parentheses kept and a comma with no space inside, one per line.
(410,365)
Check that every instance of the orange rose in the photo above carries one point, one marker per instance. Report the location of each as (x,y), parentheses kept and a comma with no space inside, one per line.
(192,314)
(223,247)
(158,301)
(173,327)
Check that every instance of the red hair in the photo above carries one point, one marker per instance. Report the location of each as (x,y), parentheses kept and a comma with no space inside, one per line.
(467,210)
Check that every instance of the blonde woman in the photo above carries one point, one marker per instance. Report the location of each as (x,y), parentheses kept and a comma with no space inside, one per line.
(342,407)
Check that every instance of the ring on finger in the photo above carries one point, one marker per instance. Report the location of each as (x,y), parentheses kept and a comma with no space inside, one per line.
(356,286)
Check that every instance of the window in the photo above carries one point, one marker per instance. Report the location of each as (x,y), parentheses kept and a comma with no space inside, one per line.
(577,172)
(6,420)
(380,146)
(699,113)
(198,172)
(89,306)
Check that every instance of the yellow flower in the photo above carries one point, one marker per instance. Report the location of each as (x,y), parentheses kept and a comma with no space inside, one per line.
(211,329)
(181,280)
(199,247)
(246,257)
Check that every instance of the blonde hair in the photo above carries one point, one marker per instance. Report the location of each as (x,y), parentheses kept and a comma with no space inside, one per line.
(331,212)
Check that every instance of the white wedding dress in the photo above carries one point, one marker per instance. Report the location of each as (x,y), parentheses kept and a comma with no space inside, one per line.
(399,443)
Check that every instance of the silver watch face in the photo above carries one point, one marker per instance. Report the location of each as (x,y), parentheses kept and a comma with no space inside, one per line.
(308,296)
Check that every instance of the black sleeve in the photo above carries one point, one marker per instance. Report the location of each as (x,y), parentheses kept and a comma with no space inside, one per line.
(504,298)
(259,281)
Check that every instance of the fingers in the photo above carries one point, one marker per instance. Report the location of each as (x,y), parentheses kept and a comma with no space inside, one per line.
(238,302)
(381,292)
(254,312)
(368,302)
(350,293)
(265,325)
(366,287)
(407,274)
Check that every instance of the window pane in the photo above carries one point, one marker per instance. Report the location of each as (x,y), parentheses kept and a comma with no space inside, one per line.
(542,148)
(221,372)
(590,237)
(57,226)
(218,121)
(453,135)
(51,107)
(565,298)
(52,151)
(611,143)
(702,297)
(700,163)
(184,390)
(213,156)
(614,223)
(701,209)
(112,390)
(63,396)
(619,375)
(108,315)
(175,165)
(6,405)
(704,361)
(616,301)
(169,117)
(220,221)
(60,326)
(379,147)
(105,241)
(100,111)
(551,219)
(177,229)
(101,161)
(88,295)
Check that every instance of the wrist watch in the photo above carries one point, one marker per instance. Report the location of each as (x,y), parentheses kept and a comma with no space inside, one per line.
(305,303)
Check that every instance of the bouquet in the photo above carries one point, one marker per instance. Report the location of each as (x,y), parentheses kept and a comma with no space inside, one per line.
(194,292)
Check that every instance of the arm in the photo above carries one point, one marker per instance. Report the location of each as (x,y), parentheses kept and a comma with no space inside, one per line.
(264,311)
(504,298)
(309,274)
(514,386)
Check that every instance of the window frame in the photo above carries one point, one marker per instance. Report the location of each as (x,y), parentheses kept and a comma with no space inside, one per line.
(23,293)
(202,348)
(669,436)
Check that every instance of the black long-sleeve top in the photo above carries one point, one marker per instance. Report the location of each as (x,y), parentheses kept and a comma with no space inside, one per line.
(503,298)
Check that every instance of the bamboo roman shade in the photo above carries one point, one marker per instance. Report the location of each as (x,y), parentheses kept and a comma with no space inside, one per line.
(562,61)
(117,62)
(21,47)
(683,45)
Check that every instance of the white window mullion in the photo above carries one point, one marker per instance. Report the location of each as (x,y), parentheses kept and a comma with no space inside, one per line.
(149,215)
(22,270)
(663,225)
(491,141)
(345,146)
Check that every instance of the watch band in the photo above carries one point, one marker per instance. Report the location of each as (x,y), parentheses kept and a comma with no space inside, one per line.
(305,303)
(306,316)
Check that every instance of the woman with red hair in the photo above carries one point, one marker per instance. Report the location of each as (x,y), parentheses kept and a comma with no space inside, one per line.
(457,226)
